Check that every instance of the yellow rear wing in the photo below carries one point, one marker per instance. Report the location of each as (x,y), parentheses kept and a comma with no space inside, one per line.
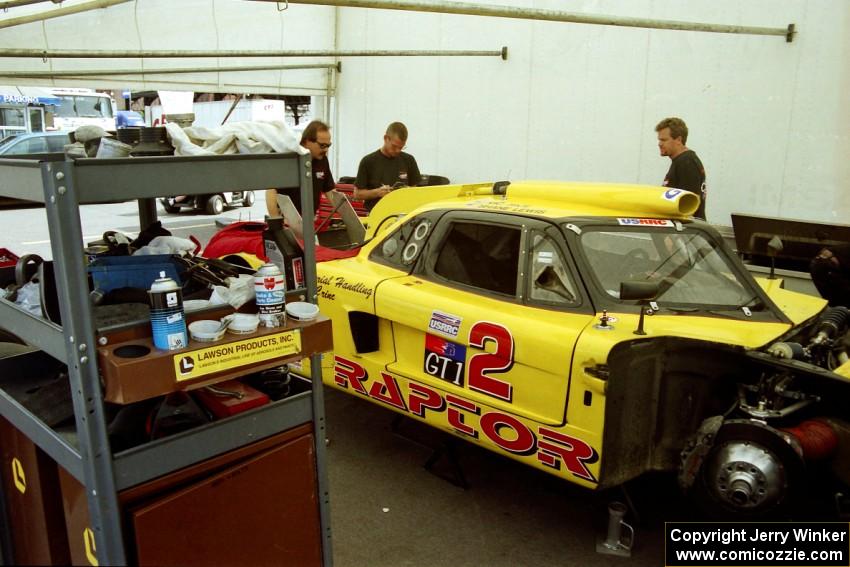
(551,199)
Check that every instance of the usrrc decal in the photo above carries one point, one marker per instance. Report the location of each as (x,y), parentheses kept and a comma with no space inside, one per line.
(671,194)
(444,359)
(444,323)
(645,222)
(547,446)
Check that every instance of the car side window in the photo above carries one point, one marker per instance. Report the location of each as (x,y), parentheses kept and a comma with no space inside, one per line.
(402,248)
(549,279)
(481,255)
(56,143)
(38,145)
(30,146)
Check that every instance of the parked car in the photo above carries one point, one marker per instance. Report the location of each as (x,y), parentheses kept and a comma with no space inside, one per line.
(30,143)
(595,332)
(128,118)
(212,204)
(34,143)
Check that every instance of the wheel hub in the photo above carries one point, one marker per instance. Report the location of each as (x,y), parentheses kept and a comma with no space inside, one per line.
(747,476)
(752,468)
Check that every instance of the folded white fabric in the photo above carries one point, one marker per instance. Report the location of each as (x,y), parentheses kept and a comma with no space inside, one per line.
(235,138)
(166,245)
(237,293)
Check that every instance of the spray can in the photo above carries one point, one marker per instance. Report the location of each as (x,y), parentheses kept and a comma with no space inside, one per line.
(167,319)
(270,289)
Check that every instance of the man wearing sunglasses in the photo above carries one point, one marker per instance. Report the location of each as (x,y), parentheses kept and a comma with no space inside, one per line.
(316,138)
(386,169)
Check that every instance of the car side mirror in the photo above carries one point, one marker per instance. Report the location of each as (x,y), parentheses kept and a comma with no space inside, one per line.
(643,292)
(774,247)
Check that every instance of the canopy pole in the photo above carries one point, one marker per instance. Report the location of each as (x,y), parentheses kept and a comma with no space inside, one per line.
(59,12)
(466,8)
(16,3)
(113,72)
(173,54)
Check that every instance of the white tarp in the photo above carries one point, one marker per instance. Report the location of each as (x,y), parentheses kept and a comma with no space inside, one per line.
(235,138)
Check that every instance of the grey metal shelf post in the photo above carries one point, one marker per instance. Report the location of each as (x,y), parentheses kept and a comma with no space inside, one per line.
(63,186)
(319,429)
(63,220)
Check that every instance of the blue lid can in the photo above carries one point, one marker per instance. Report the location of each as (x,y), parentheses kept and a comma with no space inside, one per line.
(168,322)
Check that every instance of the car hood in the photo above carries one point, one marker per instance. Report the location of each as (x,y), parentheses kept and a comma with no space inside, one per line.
(798,307)
(715,327)
(702,327)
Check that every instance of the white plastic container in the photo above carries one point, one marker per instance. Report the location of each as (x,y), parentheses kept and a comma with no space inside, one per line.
(206,330)
(301,310)
(243,323)
(112,148)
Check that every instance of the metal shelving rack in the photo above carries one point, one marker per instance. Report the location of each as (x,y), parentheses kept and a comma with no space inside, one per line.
(62,185)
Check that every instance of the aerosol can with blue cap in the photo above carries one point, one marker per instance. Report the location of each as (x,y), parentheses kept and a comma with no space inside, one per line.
(168,321)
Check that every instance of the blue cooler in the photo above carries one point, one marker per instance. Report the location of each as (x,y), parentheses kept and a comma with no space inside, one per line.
(113,272)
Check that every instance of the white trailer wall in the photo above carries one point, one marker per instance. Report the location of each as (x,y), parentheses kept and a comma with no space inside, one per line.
(769,119)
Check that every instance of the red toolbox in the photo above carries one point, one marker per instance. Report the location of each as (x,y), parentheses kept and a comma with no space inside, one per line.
(231,397)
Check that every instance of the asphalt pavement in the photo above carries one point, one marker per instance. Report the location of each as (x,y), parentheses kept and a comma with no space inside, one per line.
(387,510)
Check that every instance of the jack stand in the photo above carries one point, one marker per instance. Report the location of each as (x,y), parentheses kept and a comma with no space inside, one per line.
(446,448)
(630,504)
(613,544)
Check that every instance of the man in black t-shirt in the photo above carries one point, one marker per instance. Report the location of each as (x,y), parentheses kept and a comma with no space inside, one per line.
(830,271)
(386,169)
(686,170)
(316,138)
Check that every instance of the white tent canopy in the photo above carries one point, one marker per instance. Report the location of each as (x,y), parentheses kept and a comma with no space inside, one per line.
(190,25)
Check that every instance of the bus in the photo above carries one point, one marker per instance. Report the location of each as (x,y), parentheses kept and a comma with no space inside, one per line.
(77,107)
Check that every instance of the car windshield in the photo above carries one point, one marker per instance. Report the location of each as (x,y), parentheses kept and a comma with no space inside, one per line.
(84,106)
(688,267)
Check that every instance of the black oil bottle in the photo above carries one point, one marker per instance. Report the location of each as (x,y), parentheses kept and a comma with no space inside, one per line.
(283,250)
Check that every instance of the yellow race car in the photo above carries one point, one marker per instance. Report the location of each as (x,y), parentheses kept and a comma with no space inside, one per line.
(595,332)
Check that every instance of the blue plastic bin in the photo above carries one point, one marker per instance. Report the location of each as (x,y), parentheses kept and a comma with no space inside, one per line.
(113,272)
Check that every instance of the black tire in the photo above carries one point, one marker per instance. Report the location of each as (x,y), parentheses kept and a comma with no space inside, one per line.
(168,205)
(248,198)
(215,205)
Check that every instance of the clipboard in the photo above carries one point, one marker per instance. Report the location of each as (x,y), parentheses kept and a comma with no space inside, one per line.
(291,215)
(353,226)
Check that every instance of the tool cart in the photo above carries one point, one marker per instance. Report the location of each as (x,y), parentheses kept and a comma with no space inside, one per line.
(250,488)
